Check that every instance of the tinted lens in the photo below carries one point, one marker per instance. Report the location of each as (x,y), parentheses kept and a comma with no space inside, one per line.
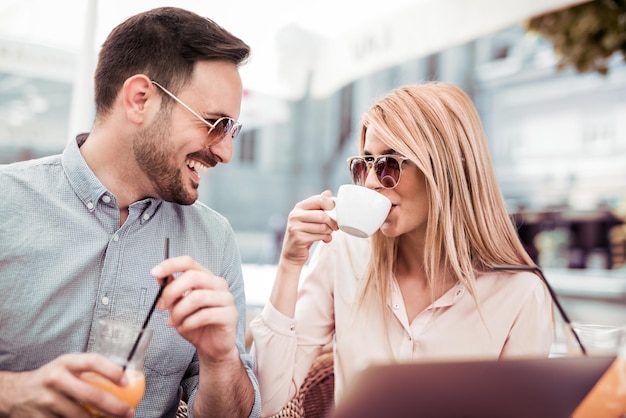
(358,171)
(222,127)
(387,171)
(236,130)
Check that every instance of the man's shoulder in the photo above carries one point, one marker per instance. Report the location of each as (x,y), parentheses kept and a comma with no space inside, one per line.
(25,166)
(31,174)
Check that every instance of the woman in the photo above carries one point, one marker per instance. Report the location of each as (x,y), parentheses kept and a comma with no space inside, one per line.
(423,286)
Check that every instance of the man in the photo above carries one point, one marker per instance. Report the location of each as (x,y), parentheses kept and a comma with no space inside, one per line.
(83,235)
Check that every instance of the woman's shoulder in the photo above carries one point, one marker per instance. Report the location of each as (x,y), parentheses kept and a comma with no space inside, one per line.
(513,280)
(512,288)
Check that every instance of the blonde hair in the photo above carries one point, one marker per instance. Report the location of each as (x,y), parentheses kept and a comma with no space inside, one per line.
(469,230)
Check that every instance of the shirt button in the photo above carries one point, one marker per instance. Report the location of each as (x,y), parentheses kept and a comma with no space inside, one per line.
(146,216)
(292,327)
(105,300)
(89,205)
(106,199)
(459,291)
(116,237)
(396,306)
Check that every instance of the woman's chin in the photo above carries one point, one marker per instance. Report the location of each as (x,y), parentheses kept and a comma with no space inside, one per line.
(387,230)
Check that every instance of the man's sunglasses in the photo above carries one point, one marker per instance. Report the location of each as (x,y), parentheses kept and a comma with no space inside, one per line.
(218,129)
(388,169)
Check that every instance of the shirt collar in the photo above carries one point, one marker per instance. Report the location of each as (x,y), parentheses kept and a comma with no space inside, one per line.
(449,298)
(88,187)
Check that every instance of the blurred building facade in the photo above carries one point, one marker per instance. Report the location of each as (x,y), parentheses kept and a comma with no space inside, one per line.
(558,142)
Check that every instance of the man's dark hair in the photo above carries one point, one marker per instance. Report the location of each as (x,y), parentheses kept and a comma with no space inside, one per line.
(164,44)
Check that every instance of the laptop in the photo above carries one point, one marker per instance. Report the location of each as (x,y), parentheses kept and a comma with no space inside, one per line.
(513,388)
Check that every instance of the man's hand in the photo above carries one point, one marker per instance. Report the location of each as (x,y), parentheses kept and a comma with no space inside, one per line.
(202,309)
(56,390)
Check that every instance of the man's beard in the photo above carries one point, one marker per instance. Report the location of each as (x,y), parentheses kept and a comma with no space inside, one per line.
(154,155)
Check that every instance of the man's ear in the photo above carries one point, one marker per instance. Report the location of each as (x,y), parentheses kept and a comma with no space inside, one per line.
(140,98)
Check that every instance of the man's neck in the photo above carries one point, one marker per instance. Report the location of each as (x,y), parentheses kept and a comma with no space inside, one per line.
(111,162)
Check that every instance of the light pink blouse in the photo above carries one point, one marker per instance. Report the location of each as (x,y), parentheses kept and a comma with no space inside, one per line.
(515,319)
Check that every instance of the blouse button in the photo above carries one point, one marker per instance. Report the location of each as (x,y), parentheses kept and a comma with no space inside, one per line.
(292,327)
(396,306)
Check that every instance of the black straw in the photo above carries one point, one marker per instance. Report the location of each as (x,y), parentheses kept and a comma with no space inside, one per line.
(156,299)
(552,295)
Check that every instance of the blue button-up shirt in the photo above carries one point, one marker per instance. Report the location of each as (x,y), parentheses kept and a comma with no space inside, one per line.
(65,262)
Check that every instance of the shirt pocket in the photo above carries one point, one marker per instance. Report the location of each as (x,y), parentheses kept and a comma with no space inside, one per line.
(168,352)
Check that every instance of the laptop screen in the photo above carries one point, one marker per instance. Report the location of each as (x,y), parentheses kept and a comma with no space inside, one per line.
(512,388)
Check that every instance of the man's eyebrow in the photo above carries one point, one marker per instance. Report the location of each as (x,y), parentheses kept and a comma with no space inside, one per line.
(214,116)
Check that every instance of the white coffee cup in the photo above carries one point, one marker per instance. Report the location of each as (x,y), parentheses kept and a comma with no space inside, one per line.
(359,211)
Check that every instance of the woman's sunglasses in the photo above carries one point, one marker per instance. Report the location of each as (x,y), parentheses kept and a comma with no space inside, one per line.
(388,169)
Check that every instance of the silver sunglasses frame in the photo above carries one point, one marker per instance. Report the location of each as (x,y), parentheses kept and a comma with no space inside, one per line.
(235,128)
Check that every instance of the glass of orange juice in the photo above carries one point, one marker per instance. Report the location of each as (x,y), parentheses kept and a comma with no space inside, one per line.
(116,340)
(607,398)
